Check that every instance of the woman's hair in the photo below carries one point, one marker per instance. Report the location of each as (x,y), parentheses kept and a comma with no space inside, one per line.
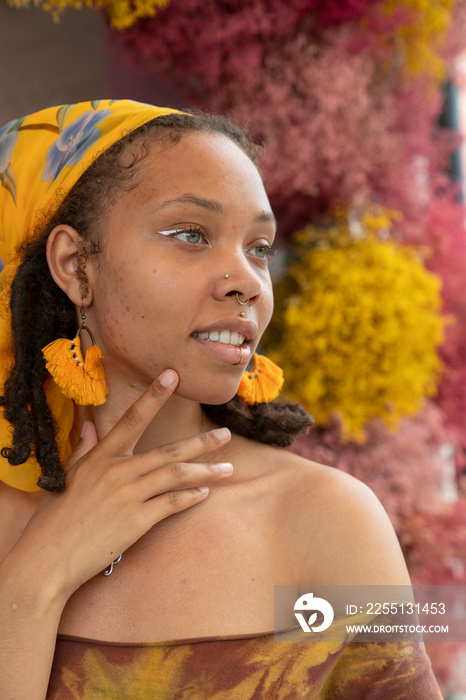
(41,311)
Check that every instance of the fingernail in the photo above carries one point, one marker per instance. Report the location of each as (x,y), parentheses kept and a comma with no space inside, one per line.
(84,428)
(221,433)
(225,468)
(167,378)
(204,490)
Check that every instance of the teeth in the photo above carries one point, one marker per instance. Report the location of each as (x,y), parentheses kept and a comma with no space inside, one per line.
(224,337)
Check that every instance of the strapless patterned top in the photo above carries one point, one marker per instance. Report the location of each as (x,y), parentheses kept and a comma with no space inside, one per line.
(243,667)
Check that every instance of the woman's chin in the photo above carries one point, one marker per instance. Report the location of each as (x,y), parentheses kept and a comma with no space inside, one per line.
(212,398)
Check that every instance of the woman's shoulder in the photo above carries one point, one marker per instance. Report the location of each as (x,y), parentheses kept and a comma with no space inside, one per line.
(334,524)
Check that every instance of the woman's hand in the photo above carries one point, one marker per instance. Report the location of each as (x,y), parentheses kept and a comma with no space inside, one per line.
(113,497)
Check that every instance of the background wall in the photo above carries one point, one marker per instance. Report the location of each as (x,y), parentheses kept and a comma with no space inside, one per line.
(43,64)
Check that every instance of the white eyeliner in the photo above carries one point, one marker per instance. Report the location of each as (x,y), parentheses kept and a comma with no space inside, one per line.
(170,231)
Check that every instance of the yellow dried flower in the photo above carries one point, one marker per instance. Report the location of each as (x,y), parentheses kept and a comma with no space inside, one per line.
(357,326)
(420,42)
(121,13)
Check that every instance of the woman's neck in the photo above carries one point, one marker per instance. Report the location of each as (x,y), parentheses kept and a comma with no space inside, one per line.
(178,418)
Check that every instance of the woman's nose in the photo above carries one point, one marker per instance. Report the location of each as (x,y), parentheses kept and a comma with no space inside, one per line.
(242,285)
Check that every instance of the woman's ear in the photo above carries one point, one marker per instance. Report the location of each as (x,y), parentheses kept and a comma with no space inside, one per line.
(64,250)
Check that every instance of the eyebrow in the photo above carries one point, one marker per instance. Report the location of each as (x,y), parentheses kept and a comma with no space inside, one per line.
(211,205)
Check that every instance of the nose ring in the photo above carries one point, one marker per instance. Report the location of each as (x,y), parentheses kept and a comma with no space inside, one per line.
(243,303)
(241,358)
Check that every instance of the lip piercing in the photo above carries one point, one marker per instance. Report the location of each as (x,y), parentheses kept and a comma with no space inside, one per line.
(226,276)
(243,303)
(241,358)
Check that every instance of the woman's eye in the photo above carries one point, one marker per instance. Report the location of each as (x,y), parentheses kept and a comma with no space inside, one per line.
(189,235)
(262,251)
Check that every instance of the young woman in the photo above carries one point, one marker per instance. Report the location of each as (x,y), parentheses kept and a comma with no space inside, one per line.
(152,229)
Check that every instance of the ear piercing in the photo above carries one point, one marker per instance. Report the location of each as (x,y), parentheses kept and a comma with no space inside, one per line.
(242,314)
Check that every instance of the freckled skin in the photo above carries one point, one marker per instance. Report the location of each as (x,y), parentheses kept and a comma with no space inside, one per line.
(144,315)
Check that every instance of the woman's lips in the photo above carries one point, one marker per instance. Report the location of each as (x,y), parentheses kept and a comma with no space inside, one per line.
(227,353)
(247,328)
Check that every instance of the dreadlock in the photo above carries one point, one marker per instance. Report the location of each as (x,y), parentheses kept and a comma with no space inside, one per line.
(41,311)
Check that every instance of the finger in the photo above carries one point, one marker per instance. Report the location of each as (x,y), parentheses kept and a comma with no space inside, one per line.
(167,504)
(87,441)
(181,475)
(125,434)
(182,451)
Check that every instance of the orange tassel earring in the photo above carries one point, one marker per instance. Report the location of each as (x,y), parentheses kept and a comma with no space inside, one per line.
(82,380)
(263,383)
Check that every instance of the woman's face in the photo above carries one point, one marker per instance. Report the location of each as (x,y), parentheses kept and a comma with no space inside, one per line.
(174,252)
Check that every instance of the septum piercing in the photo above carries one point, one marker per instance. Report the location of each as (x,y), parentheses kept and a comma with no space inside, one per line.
(241,358)
(243,303)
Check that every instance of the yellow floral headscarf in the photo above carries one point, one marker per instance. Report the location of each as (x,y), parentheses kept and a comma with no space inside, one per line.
(41,157)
